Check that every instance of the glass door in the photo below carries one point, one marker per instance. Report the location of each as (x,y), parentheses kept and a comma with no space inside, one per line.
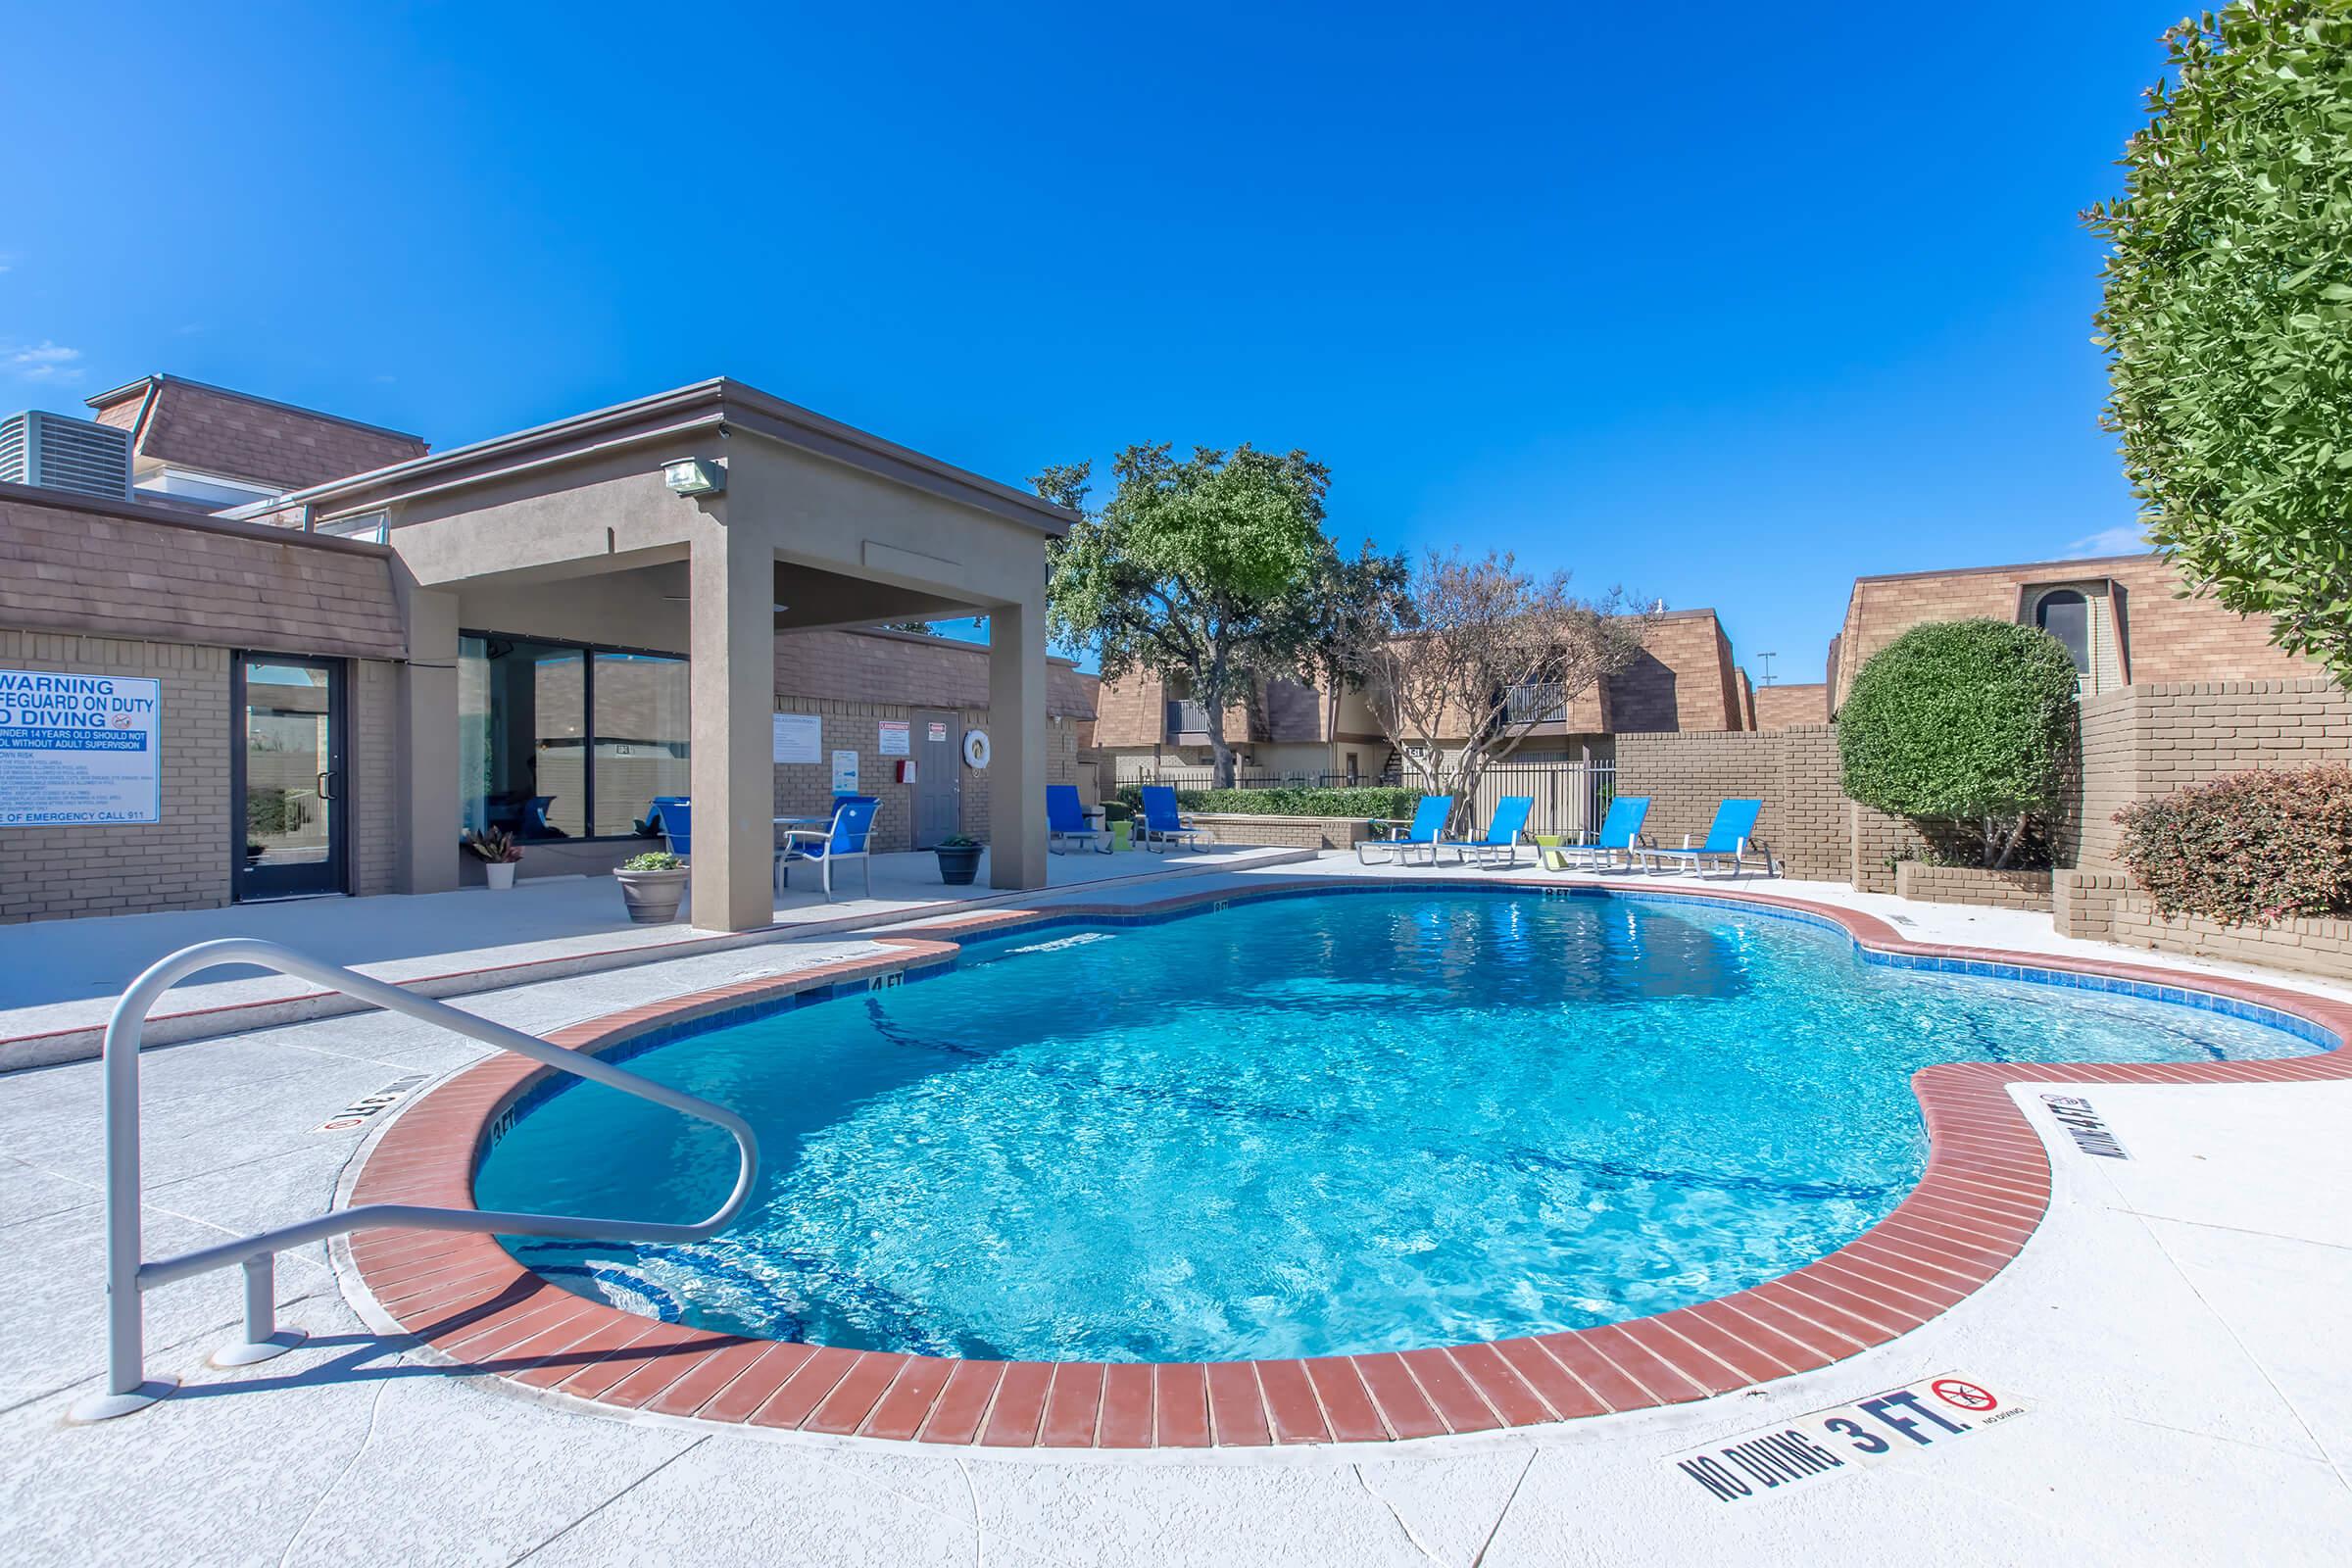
(286,776)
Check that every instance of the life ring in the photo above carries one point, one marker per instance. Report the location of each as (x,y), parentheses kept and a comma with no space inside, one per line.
(975,748)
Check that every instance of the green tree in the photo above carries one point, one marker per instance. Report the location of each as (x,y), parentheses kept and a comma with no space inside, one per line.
(1963,724)
(2229,315)
(1201,569)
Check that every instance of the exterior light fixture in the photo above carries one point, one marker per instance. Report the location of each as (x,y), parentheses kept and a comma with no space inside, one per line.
(694,476)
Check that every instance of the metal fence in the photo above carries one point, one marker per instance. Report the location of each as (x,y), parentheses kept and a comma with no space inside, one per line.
(1569,796)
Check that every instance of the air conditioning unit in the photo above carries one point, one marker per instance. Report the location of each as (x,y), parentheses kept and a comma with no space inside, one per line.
(55,452)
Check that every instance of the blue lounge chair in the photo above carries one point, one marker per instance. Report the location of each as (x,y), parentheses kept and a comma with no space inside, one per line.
(1066,818)
(1730,839)
(1162,824)
(1429,821)
(845,840)
(1620,834)
(1502,834)
(651,826)
(676,820)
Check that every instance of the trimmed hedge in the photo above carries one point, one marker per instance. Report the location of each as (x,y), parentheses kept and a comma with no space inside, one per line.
(2249,848)
(1367,800)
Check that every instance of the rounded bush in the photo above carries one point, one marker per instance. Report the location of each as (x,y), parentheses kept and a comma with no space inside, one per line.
(1961,721)
(2257,847)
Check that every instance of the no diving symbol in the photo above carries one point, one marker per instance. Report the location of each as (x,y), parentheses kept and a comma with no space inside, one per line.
(1963,1395)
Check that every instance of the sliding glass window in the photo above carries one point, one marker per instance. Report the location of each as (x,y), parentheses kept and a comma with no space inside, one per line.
(559,741)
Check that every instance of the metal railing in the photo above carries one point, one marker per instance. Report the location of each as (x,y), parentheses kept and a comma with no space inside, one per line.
(130,1275)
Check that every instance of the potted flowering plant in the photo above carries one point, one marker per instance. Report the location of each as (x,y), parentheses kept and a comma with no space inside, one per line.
(498,853)
(958,858)
(652,884)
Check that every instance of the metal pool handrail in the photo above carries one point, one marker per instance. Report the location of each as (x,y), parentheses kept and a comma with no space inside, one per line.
(128,1275)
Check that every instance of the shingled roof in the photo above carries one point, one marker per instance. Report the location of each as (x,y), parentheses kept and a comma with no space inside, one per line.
(235,435)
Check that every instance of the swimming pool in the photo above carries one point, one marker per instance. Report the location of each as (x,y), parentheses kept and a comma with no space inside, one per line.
(1322,1125)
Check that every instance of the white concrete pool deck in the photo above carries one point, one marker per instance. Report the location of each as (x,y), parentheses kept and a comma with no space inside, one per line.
(59,978)
(2176,1330)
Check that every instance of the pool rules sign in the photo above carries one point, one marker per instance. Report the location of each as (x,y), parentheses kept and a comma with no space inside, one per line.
(79,750)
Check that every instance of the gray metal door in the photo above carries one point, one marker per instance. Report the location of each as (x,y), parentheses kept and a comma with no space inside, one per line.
(938,778)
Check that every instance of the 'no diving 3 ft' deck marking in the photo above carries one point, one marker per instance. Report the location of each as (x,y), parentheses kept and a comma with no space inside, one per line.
(1886,1426)
(2083,1124)
(364,1109)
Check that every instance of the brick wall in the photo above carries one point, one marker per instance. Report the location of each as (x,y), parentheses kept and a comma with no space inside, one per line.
(1960,883)
(372,774)
(805,789)
(1681,680)
(1779,706)
(179,864)
(2165,638)
(1793,771)
(1288,832)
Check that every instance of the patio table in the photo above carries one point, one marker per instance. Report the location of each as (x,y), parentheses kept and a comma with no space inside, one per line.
(1547,850)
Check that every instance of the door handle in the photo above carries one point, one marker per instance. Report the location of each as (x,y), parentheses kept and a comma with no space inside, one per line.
(326,781)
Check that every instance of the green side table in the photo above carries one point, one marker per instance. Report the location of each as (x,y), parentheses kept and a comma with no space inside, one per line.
(1548,851)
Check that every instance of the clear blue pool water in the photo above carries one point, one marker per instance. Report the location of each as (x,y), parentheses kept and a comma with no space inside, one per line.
(1301,1126)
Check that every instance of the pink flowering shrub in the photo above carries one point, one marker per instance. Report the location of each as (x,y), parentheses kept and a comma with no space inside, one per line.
(2247,848)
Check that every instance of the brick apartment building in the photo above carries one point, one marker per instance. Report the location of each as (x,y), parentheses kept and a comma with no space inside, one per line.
(2123,617)
(1683,680)
(332,720)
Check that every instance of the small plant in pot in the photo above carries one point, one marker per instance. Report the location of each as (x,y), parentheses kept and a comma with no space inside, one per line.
(958,858)
(652,884)
(498,853)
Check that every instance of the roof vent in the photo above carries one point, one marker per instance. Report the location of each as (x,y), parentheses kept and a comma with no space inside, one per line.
(58,453)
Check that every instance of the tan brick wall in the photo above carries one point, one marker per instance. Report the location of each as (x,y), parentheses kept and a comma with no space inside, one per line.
(2320,948)
(2084,904)
(880,667)
(1793,771)
(1956,884)
(1879,846)
(1288,832)
(179,863)
(1779,706)
(122,571)
(2147,740)
(805,789)
(1681,681)
(2165,638)
(372,776)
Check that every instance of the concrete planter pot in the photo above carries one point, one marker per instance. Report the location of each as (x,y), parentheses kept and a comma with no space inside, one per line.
(958,863)
(500,874)
(651,896)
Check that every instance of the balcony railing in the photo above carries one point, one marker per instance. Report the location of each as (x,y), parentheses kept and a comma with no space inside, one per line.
(1187,718)
(1536,703)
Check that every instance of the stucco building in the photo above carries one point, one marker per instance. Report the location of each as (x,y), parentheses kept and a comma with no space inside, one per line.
(539,632)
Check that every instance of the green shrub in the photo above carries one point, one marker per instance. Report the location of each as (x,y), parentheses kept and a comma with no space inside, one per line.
(1289,799)
(2257,847)
(1965,727)
(274,812)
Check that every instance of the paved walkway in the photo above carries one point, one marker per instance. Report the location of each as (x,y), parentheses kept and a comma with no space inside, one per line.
(59,978)
(2172,1334)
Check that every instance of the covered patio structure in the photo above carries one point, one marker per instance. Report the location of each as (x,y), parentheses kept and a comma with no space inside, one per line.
(699,523)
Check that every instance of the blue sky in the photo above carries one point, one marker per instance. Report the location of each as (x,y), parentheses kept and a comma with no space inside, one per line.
(1727,308)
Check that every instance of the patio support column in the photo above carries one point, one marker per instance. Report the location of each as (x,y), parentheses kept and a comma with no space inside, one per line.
(1017,723)
(732,680)
(428,821)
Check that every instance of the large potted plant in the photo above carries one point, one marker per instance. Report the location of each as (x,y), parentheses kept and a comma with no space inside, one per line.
(498,853)
(959,860)
(652,884)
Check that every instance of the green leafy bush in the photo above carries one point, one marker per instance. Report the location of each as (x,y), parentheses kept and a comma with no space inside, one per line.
(1965,726)
(2257,847)
(655,861)
(1365,799)
(2227,319)
(273,812)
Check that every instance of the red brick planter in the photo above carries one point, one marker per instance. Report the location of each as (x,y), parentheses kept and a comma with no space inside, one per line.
(1985,1187)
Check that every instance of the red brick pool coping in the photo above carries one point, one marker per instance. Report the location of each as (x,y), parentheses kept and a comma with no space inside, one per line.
(1986,1188)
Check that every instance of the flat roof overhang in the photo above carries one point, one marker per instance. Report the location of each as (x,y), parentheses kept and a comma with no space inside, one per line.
(716,405)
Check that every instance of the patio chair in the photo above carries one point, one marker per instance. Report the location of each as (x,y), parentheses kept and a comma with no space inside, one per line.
(650,826)
(1066,818)
(1162,824)
(1620,834)
(1504,831)
(1729,838)
(676,823)
(1429,820)
(845,840)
